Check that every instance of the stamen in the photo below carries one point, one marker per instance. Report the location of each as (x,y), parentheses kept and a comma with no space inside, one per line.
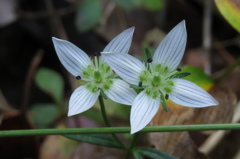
(140,84)
(96,62)
(149,60)
(166,96)
(78,78)
(95,53)
(179,69)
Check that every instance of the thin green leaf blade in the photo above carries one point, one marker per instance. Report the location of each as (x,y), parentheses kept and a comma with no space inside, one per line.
(180,75)
(136,87)
(96,139)
(50,82)
(154,153)
(103,94)
(137,155)
(163,102)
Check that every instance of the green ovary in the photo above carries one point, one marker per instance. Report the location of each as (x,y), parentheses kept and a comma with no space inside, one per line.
(97,76)
(156,80)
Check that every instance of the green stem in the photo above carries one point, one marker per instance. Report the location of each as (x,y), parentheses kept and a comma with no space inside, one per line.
(110,130)
(134,140)
(104,114)
(228,70)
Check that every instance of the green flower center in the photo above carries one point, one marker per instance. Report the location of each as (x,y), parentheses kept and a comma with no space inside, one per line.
(156,80)
(98,76)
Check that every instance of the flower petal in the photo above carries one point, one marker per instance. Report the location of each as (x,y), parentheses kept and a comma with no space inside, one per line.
(126,66)
(81,100)
(143,110)
(170,51)
(189,94)
(121,92)
(73,58)
(121,43)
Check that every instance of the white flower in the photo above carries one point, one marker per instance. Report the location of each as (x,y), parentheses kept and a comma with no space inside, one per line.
(157,80)
(97,76)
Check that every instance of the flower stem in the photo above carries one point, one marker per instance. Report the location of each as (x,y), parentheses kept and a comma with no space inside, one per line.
(102,105)
(134,140)
(111,130)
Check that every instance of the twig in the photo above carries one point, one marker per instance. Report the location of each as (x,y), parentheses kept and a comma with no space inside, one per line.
(30,73)
(207,39)
(106,14)
(225,54)
(228,70)
(55,21)
(215,138)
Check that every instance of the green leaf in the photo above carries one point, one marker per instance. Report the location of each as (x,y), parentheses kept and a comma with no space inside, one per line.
(136,155)
(88,15)
(43,115)
(154,153)
(230,9)
(135,87)
(199,77)
(50,82)
(97,139)
(180,75)
(153,5)
(163,102)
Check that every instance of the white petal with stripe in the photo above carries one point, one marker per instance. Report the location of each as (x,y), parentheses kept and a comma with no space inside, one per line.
(73,58)
(189,94)
(121,92)
(143,110)
(81,100)
(171,49)
(126,66)
(121,43)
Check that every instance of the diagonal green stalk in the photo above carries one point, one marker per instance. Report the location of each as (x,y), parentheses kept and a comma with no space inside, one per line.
(134,140)
(228,70)
(102,105)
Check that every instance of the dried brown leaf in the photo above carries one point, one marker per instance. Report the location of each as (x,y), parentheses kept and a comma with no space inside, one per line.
(181,144)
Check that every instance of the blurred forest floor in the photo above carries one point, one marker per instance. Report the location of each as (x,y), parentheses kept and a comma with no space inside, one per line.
(26,28)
